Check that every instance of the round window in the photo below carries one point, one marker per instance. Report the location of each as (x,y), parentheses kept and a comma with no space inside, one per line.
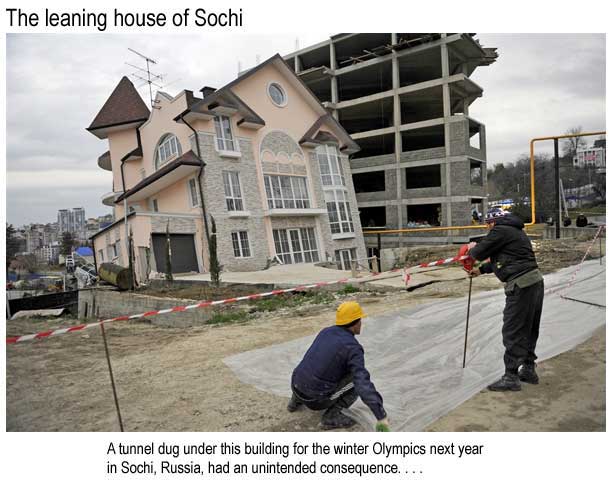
(277,94)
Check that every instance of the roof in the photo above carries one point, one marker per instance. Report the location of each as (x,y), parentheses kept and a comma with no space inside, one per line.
(84,251)
(347,143)
(124,106)
(227,98)
(188,158)
(111,226)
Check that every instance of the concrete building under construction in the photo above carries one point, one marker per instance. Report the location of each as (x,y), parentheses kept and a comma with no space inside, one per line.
(405,99)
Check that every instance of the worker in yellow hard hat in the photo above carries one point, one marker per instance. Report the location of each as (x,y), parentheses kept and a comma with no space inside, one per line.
(332,373)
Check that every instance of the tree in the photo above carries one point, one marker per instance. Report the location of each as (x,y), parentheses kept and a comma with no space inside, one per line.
(215,268)
(12,244)
(571,145)
(169,276)
(68,243)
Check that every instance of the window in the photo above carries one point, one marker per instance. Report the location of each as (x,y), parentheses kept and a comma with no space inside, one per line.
(101,255)
(223,128)
(329,164)
(240,241)
(167,149)
(154,206)
(344,258)
(286,192)
(296,245)
(233,195)
(339,211)
(143,173)
(423,215)
(369,181)
(423,176)
(373,216)
(194,196)
(116,249)
(475,173)
(277,94)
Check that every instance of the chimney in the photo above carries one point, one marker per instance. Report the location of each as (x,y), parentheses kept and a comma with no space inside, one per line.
(206,90)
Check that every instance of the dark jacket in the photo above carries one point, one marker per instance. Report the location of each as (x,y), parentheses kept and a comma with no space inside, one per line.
(335,354)
(509,249)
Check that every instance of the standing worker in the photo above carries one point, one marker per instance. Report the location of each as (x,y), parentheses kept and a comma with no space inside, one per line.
(514,263)
(332,373)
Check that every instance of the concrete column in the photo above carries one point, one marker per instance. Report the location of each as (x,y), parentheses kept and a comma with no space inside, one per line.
(397,121)
(334,80)
(447,113)
(297,64)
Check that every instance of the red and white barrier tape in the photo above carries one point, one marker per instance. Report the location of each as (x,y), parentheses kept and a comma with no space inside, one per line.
(210,303)
(575,273)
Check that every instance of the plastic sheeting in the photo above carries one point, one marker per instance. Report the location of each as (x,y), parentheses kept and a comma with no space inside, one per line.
(415,355)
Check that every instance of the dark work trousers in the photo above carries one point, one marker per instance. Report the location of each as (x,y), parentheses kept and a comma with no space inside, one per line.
(342,397)
(522,325)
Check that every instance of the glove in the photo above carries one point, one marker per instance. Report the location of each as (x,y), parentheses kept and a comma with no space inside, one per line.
(383,425)
(468,263)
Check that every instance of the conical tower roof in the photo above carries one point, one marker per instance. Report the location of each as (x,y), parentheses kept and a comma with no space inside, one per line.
(124,106)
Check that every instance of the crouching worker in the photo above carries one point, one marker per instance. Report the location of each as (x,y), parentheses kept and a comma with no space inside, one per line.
(513,262)
(332,373)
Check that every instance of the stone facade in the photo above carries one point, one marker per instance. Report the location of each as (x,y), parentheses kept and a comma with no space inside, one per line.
(250,220)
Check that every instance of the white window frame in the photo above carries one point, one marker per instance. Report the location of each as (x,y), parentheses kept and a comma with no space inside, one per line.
(330,166)
(222,142)
(296,245)
(101,255)
(241,244)
(194,201)
(283,103)
(233,191)
(168,148)
(154,205)
(344,257)
(339,211)
(286,192)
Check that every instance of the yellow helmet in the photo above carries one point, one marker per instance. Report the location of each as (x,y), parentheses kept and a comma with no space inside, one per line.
(348,312)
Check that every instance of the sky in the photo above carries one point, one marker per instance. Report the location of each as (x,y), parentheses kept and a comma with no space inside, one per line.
(541,85)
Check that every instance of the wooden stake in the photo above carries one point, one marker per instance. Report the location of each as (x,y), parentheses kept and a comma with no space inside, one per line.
(110,372)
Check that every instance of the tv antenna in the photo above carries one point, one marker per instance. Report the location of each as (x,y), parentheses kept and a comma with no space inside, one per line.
(151,78)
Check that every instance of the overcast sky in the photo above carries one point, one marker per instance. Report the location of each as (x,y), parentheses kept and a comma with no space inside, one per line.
(541,85)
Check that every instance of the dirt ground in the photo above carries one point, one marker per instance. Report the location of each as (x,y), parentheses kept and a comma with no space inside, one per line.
(175,380)
(571,396)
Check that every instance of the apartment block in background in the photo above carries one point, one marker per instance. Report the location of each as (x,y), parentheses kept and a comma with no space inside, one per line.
(72,221)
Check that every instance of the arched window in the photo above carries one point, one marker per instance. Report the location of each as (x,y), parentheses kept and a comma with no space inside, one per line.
(167,149)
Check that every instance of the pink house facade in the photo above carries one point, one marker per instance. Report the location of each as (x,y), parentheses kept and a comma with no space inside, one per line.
(267,161)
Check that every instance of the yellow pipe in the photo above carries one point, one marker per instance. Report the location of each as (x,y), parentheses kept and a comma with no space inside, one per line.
(532,164)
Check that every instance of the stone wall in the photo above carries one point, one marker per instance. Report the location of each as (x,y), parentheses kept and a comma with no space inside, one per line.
(226,221)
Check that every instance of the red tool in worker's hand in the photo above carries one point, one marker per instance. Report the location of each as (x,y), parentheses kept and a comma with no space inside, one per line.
(468,263)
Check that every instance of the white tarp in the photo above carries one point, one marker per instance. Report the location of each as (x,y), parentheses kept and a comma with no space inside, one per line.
(415,355)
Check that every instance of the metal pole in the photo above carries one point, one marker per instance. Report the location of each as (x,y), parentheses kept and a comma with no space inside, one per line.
(467,321)
(557,192)
(110,372)
(379,245)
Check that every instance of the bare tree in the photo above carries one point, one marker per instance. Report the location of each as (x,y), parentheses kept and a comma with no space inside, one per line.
(571,145)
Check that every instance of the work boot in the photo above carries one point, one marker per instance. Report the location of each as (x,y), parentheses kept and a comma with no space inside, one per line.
(508,382)
(333,418)
(294,404)
(528,374)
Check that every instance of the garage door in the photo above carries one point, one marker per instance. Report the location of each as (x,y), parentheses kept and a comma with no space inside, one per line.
(183,253)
